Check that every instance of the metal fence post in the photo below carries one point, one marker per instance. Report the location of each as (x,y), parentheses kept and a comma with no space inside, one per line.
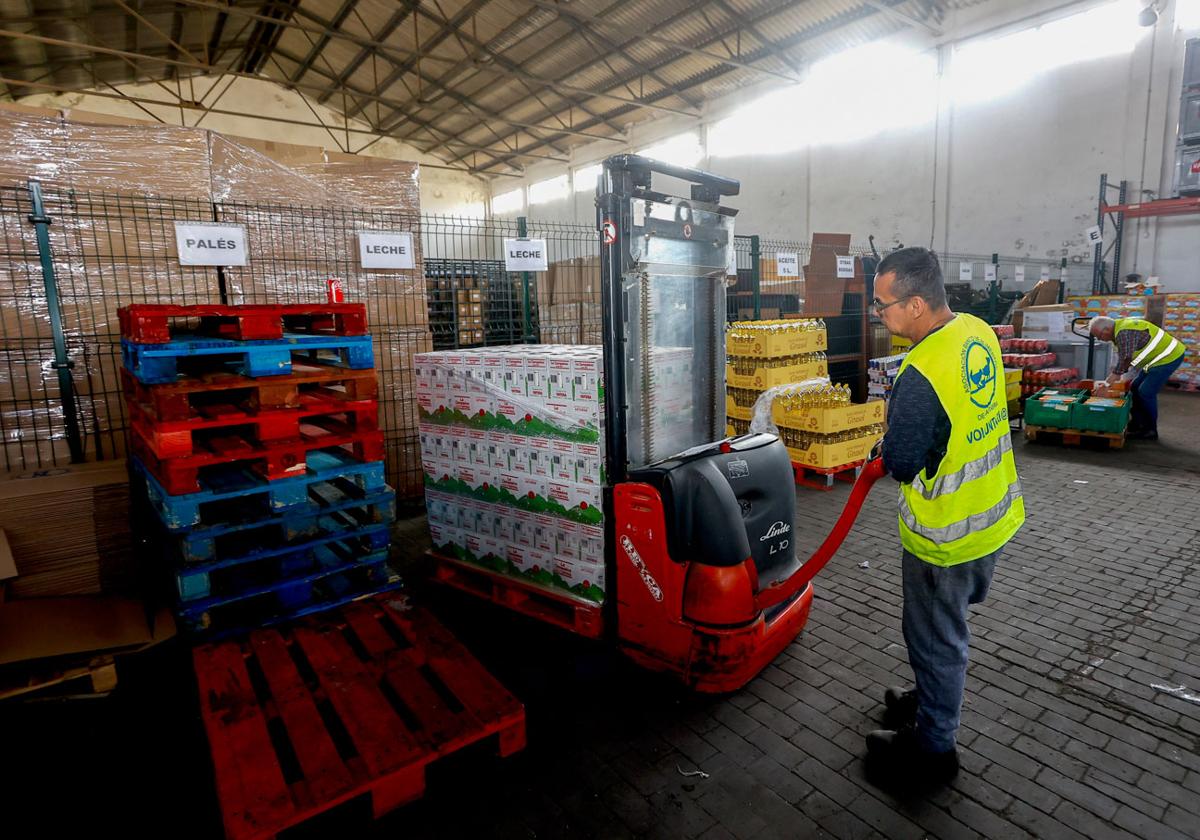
(62,364)
(526,277)
(755,277)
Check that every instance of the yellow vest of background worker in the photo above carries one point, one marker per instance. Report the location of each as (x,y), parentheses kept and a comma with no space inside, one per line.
(1162,348)
(972,505)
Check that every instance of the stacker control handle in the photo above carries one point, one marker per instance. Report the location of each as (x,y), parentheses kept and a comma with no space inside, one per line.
(782,590)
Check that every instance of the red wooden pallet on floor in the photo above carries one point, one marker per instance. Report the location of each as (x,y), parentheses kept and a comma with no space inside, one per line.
(350,703)
(180,438)
(150,323)
(822,478)
(272,461)
(189,397)
(559,608)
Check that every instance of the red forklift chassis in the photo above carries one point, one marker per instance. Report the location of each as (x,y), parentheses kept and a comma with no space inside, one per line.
(714,627)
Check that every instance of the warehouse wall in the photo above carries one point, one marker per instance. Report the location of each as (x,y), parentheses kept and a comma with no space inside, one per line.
(442,190)
(1016,174)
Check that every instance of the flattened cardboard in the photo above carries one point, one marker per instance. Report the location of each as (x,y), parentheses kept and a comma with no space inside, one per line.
(40,628)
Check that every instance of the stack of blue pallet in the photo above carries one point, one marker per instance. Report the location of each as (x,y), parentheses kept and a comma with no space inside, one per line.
(254,522)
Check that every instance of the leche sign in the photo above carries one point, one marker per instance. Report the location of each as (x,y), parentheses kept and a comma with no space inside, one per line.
(210,244)
(524,254)
(385,249)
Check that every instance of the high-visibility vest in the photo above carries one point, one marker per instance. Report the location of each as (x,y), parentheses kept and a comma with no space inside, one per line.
(972,505)
(1162,348)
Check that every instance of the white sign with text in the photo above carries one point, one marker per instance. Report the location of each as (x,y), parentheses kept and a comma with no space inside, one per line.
(201,243)
(787,264)
(845,268)
(524,254)
(1019,274)
(989,273)
(385,249)
(966,272)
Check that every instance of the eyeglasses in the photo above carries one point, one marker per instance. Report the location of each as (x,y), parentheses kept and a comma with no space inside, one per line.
(879,305)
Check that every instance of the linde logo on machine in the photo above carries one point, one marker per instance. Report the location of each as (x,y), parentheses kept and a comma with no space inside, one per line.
(385,249)
(201,243)
(524,254)
(777,529)
(632,553)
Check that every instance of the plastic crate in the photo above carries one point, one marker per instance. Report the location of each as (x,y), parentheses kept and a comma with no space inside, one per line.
(1101,417)
(1054,414)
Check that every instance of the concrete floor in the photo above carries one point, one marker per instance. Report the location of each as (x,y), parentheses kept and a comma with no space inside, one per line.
(1081,718)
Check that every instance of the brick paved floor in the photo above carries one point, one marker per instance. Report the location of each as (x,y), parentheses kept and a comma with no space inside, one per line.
(1077,721)
(1081,718)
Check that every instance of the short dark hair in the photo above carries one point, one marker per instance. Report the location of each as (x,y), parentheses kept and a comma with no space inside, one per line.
(918,274)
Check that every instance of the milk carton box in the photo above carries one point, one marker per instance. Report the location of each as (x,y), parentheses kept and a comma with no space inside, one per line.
(460,445)
(568,539)
(518,453)
(493,372)
(460,404)
(579,501)
(465,473)
(559,415)
(539,563)
(497,448)
(516,554)
(533,487)
(477,442)
(514,375)
(562,460)
(505,526)
(427,432)
(559,376)
(510,483)
(585,379)
(537,369)
(452,366)
(472,367)
(540,456)
(524,530)
(589,464)
(482,401)
(591,543)
(508,409)
(545,532)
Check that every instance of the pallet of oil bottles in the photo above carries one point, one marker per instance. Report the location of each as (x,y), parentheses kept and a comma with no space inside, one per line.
(823,429)
(768,354)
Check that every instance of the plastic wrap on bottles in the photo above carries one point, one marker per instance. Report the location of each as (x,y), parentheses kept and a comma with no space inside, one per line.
(512,443)
(762,421)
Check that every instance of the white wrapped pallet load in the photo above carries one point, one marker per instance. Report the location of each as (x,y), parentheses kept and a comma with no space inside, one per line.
(513,452)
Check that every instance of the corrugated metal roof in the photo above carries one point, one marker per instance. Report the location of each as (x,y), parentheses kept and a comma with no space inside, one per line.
(479,74)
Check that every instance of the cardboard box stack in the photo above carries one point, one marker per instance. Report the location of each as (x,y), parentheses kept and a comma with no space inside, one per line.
(1182,320)
(257,458)
(568,299)
(823,429)
(765,354)
(1150,307)
(68,530)
(512,443)
(882,373)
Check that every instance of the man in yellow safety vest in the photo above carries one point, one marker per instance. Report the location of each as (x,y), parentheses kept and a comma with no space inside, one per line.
(949,445)
(1150,350)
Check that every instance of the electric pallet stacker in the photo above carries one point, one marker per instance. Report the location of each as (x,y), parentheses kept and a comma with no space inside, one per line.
(702,576)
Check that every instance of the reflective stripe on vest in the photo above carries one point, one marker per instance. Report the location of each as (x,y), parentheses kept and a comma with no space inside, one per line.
(963,527)
(1154,342)
(968,472)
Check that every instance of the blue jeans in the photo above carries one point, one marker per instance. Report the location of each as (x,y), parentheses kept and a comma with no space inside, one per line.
(1145,390)
(936,599)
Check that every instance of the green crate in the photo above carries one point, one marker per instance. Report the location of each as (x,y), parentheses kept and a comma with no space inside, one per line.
(1100,418)
(1056,416)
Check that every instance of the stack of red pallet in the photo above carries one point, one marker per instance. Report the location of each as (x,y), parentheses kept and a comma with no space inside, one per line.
(257,457)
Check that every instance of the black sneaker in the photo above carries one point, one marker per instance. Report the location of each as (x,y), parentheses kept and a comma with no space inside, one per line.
(900,707)
(1143,434)
(895,760)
